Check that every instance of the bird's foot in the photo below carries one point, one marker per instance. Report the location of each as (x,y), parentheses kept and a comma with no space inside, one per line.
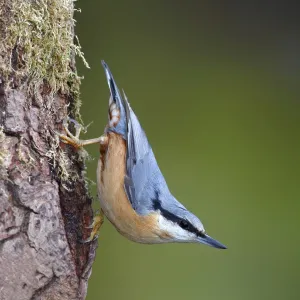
(95,226)
(74,140)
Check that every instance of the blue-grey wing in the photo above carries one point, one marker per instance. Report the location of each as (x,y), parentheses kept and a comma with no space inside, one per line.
(144,180)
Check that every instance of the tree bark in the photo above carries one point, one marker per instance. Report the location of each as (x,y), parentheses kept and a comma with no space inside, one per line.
(44,203)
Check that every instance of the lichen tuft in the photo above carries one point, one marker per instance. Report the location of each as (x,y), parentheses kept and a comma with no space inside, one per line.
(39,37)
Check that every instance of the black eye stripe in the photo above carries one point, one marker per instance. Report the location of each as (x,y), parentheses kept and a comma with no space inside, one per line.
(187,226)
(184,224)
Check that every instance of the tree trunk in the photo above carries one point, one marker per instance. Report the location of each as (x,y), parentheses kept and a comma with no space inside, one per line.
(44,203)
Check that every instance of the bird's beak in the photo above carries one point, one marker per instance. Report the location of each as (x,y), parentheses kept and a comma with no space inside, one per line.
(207,240)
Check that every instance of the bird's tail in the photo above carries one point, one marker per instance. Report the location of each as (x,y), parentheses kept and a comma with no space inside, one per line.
(122,120)
(118,107)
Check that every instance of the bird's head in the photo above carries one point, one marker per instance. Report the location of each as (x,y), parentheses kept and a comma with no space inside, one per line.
(180,225)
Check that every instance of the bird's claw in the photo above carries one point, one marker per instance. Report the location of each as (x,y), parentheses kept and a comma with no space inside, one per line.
(95,226)
(74,140)
(69,138)
(90,239)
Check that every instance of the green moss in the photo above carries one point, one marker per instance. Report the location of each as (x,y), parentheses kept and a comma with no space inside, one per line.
(37,50)
(39,35)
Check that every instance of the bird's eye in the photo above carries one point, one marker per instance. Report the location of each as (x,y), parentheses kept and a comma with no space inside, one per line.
(201,234)
(184,224)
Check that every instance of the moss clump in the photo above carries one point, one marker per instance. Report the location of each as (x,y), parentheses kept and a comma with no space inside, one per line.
(39,35)
(37,51)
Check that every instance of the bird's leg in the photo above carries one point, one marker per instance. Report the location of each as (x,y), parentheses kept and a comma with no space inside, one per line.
(95,226)
(74,140)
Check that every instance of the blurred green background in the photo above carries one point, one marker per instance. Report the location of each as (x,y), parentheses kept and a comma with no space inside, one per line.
(216,88)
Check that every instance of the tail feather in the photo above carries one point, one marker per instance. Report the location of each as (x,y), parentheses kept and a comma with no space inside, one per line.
(124,121)
(118,121)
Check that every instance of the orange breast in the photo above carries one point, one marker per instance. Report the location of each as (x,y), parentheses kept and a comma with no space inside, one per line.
(113,198)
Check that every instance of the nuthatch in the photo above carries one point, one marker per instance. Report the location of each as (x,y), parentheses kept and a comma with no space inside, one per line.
(133,193)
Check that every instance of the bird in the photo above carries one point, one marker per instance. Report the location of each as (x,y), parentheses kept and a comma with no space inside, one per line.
(132,190)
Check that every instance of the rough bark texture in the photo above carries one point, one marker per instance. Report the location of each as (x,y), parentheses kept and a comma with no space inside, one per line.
(44,204)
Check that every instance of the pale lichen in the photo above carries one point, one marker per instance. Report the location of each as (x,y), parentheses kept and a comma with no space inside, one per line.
(25,157)
(39,35)
(3,152)
(37,51)
(2,135)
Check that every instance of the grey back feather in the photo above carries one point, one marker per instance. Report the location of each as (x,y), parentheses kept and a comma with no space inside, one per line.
(145,180)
